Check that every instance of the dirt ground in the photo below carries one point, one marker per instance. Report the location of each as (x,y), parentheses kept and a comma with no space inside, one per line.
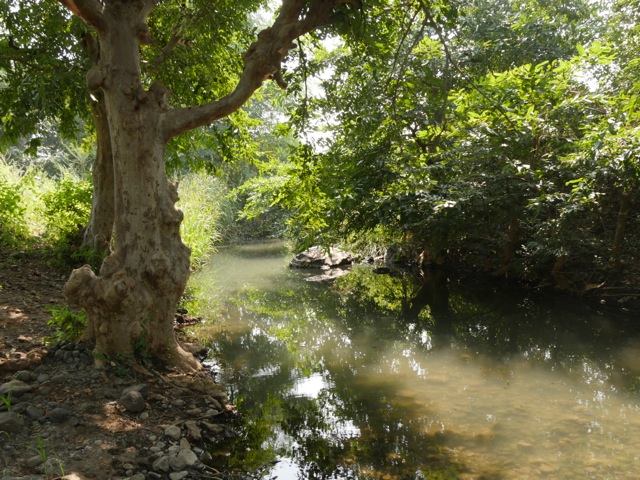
(65,418)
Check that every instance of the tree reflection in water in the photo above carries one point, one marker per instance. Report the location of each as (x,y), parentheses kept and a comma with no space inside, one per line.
(335,381)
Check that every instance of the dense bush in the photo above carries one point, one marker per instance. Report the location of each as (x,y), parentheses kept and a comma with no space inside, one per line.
(67,209)
(13,225)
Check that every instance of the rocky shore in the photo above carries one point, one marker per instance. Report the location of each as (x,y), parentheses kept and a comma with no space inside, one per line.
(67,418)
(63,417)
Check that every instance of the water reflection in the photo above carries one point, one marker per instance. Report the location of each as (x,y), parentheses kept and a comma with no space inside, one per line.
(380,376)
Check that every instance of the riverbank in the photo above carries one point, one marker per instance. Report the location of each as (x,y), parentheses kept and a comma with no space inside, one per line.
(62,416)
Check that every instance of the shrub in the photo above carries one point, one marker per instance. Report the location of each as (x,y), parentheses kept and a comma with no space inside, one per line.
(69,325)
(66,209)
(13,226)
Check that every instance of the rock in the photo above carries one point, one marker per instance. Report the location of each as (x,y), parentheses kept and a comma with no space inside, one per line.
(34,461)
(52,468)
(178,475)
(184,444)
(34,412)
(161,464)
(193,431)
(132,401)
(216,404)
(173,431)
(25,376)
(177,462)
(213,427)
(59,415)
(15,388)
(141,388)
(189,457)
(59,378)
(11,423)
(137,476)
(321,258)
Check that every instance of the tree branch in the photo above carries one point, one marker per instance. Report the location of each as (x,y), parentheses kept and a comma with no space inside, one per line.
(90,11)
(262,61)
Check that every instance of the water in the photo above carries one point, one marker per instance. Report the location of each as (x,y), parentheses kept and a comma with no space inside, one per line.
(397,377)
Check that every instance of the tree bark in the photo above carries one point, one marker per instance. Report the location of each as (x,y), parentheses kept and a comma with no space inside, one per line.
(98,232)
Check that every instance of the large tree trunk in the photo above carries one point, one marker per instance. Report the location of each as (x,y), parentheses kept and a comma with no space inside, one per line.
(131,304)
(98,232)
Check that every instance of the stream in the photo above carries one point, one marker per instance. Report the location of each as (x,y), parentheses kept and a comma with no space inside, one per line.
(404,377)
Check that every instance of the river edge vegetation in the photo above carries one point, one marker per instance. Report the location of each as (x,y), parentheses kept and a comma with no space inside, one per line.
(496,136)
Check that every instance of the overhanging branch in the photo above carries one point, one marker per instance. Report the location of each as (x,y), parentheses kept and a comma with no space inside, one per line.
(91,11)
(262,61)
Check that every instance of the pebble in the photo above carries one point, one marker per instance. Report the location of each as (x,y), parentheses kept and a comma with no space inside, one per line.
(59,378)
(178,475)
(141,388)
(11,423)
(15,388)
(25,376)
(132,401)
(161,464)
(189,457)
(193,431)
(34,461)
(184,444)
(59,415)
(173,431)
(177,462)
(34,412)
(215,404)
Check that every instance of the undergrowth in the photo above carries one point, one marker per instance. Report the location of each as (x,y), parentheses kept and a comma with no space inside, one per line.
(68,324)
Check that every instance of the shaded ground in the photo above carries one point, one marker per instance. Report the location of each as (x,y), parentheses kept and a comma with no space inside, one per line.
(60,415)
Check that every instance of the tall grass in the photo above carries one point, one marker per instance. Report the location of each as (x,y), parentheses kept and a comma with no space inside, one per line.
(21,204)
(203,200)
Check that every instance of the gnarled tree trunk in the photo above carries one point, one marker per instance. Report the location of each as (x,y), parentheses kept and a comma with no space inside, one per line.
(131,304)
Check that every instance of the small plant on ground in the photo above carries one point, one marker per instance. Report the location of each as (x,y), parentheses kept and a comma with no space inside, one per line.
(49,469)
(6,399)
(68,324)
